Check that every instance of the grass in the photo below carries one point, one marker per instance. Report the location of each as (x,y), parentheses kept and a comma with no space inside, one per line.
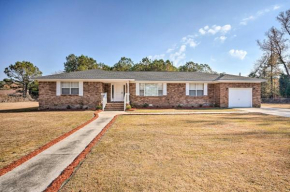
(18,106)
(181,110)
(201,152)
(275,105)
(23,132)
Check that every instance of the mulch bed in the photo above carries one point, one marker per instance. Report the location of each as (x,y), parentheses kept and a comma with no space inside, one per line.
(66,174)
(44,147)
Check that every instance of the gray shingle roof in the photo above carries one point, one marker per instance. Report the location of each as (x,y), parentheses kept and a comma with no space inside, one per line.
(146,76)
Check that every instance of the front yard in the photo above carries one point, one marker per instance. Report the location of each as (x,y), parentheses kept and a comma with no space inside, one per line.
(201,152)
(276,105)
(148,110)
(24,129)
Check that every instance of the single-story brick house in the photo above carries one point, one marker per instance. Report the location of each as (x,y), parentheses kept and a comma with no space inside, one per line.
(88,89)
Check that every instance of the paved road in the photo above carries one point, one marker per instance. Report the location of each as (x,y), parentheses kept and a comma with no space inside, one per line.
(37,173)
(270,111)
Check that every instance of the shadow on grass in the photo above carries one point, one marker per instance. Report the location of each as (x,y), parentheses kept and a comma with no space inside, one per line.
(30,109)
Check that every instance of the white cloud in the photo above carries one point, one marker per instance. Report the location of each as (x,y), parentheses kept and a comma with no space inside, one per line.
(276,7)
(178,56)
(161,56)
(221,38)
(215,29)
(246,20)
(188,40)
(259,13)
(169,50)
(201,31)
(241,54)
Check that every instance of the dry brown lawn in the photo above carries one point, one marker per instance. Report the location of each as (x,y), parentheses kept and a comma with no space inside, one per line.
(221,152)
(275,105)
(181,110)
(23,132)
(18,105)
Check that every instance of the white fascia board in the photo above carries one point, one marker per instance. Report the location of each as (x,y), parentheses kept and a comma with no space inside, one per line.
(240,81)
(87,80)
(174,82)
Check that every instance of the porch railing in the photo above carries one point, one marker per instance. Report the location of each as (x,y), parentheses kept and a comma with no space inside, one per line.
(126,100)
(104,100)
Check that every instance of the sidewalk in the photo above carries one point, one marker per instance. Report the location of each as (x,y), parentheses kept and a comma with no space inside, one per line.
(37,173)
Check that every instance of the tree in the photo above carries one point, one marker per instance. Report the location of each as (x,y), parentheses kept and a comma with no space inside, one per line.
(284,82)
(81,63)
(284,19)
(143,65)
(124,64)
(267,69)
(195,67)
(275,45)
(22,72)
(103,66)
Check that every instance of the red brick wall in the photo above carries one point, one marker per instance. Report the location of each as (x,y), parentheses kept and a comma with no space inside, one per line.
(217,95)
(175,96)
(223,94)
(90,99)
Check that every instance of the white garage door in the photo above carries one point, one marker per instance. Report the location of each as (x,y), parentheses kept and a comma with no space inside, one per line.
(240,97)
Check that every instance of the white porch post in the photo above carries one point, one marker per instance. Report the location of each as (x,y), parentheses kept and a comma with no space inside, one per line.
(128,85)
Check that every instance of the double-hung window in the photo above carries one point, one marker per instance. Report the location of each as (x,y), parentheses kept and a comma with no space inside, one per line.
(69,88)
(196,89)
(151,89)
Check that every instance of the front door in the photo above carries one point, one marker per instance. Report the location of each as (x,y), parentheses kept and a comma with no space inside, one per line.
(118,90)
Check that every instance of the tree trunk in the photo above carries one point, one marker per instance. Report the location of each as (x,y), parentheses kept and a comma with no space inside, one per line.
(25,88)
(272,93)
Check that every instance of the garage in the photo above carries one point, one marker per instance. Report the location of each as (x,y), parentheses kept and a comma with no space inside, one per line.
(240,97)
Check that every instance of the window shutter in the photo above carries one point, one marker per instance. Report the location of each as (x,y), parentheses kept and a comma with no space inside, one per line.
(81,88)
(137,88)
(187,88)
(205,88)
(58,89)
(164,88)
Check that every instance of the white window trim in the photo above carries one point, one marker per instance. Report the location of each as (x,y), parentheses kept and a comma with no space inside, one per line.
(205,92)
(157,89)
(70,87)
(58,88)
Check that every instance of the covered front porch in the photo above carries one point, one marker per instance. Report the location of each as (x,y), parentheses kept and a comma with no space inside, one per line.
(115,96)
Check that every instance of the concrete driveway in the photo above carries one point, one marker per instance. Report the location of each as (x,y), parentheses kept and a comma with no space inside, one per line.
(270,111)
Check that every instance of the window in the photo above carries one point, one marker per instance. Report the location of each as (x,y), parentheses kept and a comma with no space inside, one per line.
(69,88)
(151,89)
(196,89)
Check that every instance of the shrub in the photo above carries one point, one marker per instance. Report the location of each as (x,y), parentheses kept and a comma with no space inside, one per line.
(179,106)
(128,107)
(145,105)
(98,107)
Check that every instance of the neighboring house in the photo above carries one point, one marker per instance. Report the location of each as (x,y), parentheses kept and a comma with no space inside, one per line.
(88,89)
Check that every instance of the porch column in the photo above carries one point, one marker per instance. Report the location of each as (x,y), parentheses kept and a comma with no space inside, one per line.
(128,95)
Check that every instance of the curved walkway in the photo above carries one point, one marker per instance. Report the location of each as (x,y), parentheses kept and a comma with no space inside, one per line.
(37,173)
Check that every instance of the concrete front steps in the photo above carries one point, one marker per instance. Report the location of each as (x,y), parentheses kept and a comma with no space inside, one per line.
(114,107)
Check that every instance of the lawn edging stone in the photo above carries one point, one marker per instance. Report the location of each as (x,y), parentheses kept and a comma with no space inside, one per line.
(25,158)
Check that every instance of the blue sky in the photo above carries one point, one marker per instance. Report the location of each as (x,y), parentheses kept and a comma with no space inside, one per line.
(222,34)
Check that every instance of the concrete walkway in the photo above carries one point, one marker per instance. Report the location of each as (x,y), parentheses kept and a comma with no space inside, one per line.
(37,173)
(270,111)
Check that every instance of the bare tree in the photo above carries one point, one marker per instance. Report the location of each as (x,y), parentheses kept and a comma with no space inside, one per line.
(276,46)
(284,19)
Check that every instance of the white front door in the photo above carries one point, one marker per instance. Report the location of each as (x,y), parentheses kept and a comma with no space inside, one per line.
(117,91)
(240,97)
